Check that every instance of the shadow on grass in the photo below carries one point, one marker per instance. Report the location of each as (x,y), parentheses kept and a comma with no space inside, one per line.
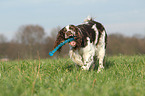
(70,67)
(107,65)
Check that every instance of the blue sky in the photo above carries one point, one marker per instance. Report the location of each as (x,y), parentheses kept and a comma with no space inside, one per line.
(121,16)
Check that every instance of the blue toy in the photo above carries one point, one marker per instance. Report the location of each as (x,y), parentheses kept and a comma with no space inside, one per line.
(61,44)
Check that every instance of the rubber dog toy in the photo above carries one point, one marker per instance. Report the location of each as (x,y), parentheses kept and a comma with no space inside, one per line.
(60,45)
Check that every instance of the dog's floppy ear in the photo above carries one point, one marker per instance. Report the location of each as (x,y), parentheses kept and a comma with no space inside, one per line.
(60,38)
(78,38)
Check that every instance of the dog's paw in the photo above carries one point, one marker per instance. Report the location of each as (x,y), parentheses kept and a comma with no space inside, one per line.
(85,68)
(100,69)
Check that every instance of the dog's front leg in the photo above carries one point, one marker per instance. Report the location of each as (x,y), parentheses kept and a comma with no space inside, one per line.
(88,61)
(76,57)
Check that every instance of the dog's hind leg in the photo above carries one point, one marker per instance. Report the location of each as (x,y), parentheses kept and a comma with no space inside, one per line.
(100,52)
(101,56)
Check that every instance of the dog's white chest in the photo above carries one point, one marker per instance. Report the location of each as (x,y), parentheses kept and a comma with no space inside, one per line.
(81,56)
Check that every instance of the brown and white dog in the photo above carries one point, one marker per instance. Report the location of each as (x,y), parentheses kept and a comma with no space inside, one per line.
(90,42)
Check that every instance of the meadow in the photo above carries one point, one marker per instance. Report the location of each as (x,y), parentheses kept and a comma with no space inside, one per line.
(122,76)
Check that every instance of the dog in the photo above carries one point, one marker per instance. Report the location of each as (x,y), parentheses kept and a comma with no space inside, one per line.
(90,43)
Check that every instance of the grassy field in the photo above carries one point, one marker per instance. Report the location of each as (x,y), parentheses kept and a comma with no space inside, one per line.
(122,76)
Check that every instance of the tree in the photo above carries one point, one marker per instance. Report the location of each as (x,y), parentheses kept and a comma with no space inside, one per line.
(54,32)
(30,34)
(31,37)
(3,39)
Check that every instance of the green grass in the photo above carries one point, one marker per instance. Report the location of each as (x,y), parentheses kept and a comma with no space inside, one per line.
(122,76)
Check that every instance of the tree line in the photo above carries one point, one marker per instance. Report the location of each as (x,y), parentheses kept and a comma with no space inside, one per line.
(31,41)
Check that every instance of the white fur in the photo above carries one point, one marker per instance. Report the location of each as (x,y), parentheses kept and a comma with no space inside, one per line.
(84,57)
(88,19)
(67,28)
(100,51)
(96,30)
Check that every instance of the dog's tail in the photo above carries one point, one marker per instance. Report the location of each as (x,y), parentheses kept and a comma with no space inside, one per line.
(89,18)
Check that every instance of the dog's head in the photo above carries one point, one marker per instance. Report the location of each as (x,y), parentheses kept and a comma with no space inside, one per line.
(68,32)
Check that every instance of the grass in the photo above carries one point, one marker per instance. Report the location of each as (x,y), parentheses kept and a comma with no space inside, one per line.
(123,76)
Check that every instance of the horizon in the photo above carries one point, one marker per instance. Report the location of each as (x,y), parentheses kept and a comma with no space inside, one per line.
(123,17)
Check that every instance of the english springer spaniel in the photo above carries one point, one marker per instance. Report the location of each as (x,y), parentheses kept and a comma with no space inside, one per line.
(90,42)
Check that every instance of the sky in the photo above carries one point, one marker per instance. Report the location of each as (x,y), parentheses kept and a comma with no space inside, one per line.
(118,16)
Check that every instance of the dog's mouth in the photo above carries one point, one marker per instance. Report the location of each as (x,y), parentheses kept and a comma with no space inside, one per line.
(72,43)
